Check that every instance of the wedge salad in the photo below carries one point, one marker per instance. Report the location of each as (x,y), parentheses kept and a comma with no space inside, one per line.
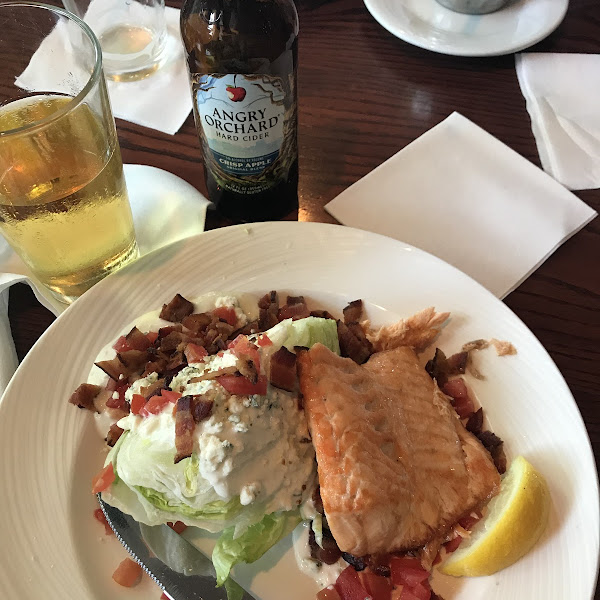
(203,413)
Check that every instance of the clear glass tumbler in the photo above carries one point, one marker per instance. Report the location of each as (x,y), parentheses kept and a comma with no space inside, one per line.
(132,34)
(63,200)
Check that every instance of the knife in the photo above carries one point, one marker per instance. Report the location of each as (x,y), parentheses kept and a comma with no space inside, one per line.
(201,585)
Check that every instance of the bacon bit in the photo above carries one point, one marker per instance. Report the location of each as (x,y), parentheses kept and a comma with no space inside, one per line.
(201,409)
(353,312)
(113,435)
(103,480)
(208,375)
(268,309)
(353,342)
(163,332)
(84,395)
(495,446)
(114,368)
(128,573)
(329,553)
(184,428)
(475,422)
(295,308)
(101,518)
(503,348)
(136,340)
(177,309)
(177,527)
(282,369)
(241,386)
(457,363)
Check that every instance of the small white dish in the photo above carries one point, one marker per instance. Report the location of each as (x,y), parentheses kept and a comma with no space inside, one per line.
(427,24)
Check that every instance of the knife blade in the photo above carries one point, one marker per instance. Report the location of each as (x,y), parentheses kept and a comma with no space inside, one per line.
(179,586)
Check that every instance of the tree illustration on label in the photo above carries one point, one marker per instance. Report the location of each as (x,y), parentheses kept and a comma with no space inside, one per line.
(236,94)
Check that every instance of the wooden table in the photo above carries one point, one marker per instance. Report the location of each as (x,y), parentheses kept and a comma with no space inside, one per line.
(346,130)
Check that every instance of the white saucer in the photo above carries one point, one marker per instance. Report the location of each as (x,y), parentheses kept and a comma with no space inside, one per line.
(427,24)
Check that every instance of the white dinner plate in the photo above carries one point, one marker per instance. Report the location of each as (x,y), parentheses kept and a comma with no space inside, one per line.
(427,24)
(53,549)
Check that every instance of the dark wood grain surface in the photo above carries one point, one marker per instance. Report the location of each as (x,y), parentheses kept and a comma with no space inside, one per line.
(347,128)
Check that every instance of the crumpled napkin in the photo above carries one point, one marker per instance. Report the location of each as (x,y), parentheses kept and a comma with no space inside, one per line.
(460,194)
(562,92)
(162,101)
(165,209)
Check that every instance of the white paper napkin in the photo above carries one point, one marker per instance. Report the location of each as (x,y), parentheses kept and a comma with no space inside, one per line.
(161,101)
(462,195)
(562,92)
(165,209)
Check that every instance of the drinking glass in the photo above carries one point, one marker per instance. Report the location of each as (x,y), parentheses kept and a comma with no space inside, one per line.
(63,201)
(132,34)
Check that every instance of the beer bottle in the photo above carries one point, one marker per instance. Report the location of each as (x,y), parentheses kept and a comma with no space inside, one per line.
(242,57)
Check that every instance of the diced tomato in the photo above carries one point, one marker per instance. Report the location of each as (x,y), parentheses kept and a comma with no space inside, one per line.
(349,587)
(464,407)
(226,313)
(101,518)
(407,571)
(170,396)
(328,593)
(242,346)
(119,401)
(164,596)
(380,588)
(177,527)
(128,573)
(154,406)
(195,353)
(103,480)
(242,387)
(122,345)
(152,336)
(453,544)
(265,340)
(456,388)
(438,559)
(137,403)
(419,592)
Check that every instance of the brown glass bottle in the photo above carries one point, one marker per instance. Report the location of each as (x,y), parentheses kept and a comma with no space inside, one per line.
(242,57)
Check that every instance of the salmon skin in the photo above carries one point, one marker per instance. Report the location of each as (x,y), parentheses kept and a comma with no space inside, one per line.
(396,466)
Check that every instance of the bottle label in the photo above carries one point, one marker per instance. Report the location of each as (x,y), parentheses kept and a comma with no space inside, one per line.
(242,123)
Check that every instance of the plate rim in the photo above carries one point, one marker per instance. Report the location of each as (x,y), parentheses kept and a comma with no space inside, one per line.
(373,7)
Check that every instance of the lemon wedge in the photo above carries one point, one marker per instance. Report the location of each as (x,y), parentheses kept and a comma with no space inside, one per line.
(514,522)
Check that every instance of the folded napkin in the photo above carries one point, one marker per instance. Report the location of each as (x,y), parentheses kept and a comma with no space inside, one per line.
(462,195)
(162,101)
(165,209)
(562,93)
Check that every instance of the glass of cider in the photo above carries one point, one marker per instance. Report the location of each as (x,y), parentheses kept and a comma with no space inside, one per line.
(63,200)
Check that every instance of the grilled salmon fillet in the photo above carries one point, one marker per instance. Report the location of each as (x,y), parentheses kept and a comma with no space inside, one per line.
(396,466)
